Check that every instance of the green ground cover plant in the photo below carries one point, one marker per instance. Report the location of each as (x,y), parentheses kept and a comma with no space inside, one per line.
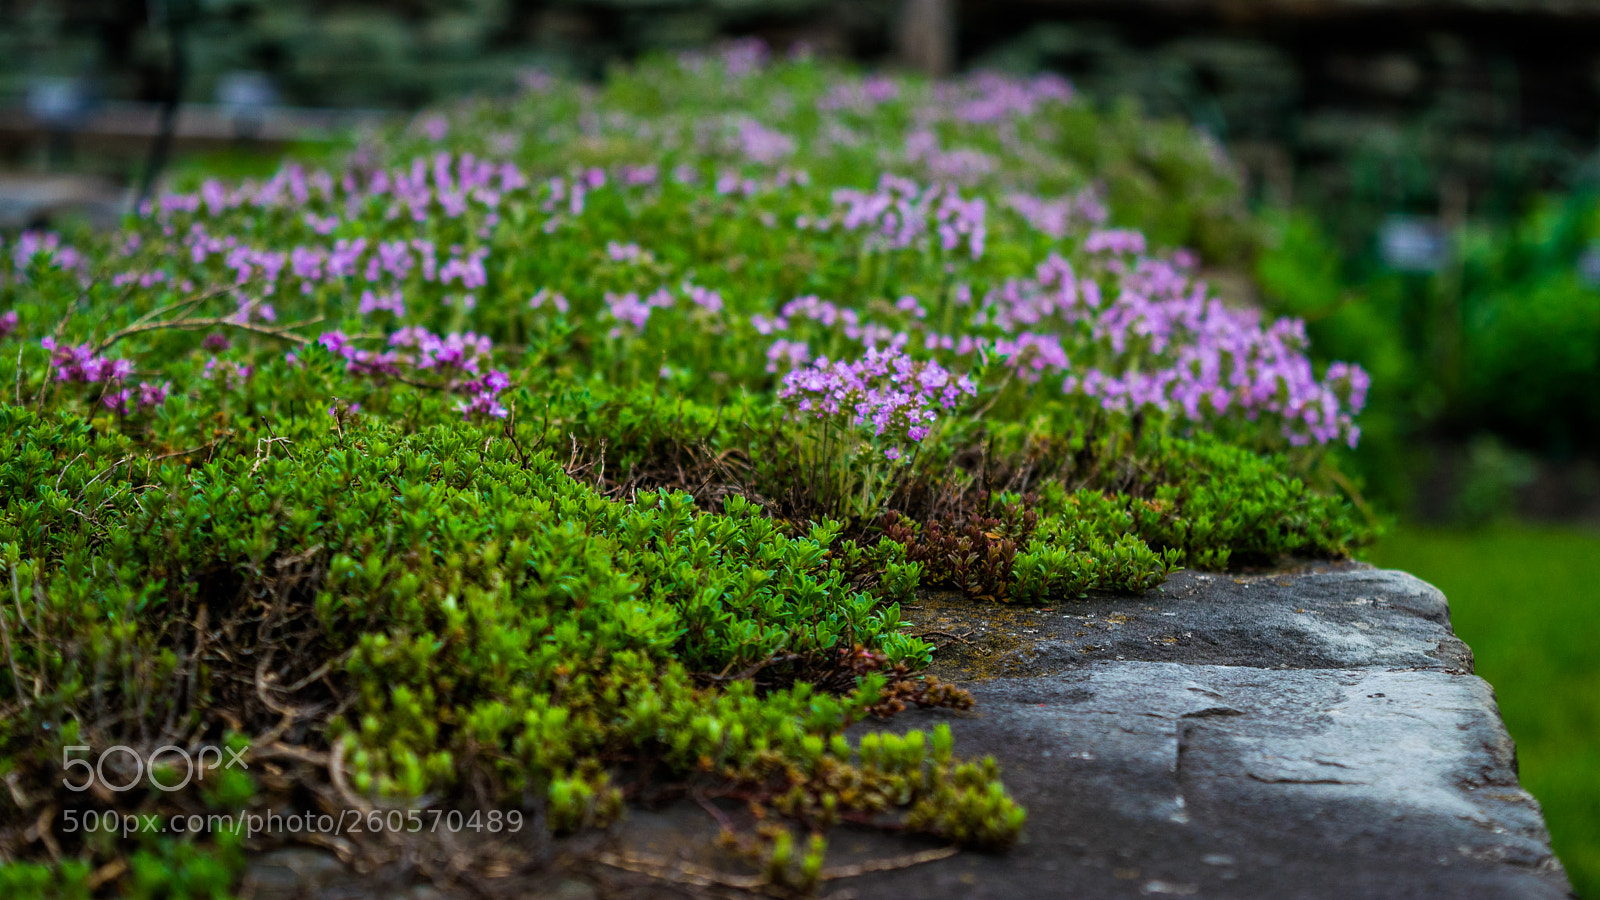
(1520,596)
(549,453)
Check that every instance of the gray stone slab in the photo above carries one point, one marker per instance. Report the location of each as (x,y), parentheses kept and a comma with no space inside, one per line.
(1312,734)
(1148,778)
(1338,617)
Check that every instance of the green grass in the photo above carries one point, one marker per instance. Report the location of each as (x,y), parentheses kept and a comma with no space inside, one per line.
(1524,598)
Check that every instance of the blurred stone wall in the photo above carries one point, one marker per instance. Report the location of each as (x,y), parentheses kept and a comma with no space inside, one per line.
(1363,109)
(1442,108)
(387,53)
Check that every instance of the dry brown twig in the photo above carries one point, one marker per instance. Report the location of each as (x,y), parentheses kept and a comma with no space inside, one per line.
(282,331)
(889,864)
(185,304)
(680,871)
(684,872)
(953,638)
(336,774)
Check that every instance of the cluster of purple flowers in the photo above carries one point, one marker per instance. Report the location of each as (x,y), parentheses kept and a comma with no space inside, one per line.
(1161,341)
(640,176)
(46,247)
(632,310)
(556,300)
(982,98)
(962,165)
(312,266)
(455,354)
(1059,216)
(988,97)
(1115,241)
(560,194)
(435,126)
(482,396)
(444,184)
(390,301)
(1128,328)
(860,96)
(624,253)
(80,364)
(358,361)
(149,279)
(1031,354)
(8,322)
(738,58)
(732,182)
(758,143)
(629,309)
(124,401)
(464,352)
(1156,339)
(233,374)
(251,310)
(900,212)
(789,352)
(703,298)
(895,397)
(808,307)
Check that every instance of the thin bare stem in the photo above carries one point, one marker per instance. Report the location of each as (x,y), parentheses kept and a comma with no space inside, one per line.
(147,318)
(216,322)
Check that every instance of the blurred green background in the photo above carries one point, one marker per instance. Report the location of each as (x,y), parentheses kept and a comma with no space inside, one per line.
(1522,597)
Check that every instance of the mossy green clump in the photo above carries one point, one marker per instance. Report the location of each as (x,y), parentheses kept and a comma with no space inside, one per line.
(520,486)
(477,619)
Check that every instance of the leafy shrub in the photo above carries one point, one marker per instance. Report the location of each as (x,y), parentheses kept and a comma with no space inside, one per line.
(521,457)
(1501,341)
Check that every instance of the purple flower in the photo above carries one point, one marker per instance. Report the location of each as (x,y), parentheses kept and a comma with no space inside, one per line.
(545,295)
(860,96)
(706,299)
(81,364)
(900,213)
(151,395)
(1115,241)
(388,302)
(630,253)
(1059,216)
(758,143)
(636,176)
(1167,345)
(786,354)
(117,401)
(435,127)
(465,352)
(481,396)
(990,97)
(885,391)
(334,341)
(628,308)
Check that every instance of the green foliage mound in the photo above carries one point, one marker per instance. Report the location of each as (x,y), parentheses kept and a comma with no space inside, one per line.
(551,451)
(497,625)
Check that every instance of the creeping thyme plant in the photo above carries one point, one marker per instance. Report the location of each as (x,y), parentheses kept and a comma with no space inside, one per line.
(548,448)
